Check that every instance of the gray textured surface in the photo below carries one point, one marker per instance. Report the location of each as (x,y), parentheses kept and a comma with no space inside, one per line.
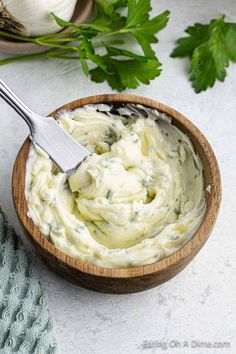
(199,304)
(25,322)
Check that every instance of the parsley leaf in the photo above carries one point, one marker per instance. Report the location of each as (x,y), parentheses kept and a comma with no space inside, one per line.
(109,6)
(125,73)
(210,47)
(138,12)
(197,35)
(230,41)
(145,32)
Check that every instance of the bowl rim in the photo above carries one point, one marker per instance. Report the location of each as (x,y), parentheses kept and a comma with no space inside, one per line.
(190,247)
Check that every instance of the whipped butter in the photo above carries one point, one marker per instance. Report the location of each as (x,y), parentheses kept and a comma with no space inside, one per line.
(136,199)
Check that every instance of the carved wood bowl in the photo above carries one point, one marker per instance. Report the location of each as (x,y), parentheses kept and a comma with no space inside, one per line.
(124,280)
(8,46)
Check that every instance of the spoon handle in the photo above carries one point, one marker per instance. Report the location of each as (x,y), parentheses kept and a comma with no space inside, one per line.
(20,107)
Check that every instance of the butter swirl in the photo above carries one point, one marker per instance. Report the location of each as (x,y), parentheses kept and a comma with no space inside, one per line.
(137,199)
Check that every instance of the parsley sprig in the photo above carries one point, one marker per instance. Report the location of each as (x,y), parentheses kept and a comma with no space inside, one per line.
(94,43)
(210,47)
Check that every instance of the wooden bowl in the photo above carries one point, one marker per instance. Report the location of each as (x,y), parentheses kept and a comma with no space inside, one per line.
(8,46)
(124,280)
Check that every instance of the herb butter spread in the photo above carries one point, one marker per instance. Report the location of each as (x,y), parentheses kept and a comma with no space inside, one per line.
(135,200)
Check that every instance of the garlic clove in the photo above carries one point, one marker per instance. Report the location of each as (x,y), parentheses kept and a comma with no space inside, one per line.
(33,18)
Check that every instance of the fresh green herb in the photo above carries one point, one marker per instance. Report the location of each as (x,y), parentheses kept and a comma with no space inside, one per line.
(110,136)
(177,212)
(92,43)
(210,47)
(45,198)
(174,237)
(145,183)
(196,166)
(109,194)
(66,185)
(56,227)
(134,217)
(79,228)
(130,263)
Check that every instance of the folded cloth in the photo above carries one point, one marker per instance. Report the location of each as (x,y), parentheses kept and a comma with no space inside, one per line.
(26,326)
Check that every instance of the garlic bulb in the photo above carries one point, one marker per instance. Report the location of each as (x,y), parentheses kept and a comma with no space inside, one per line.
(32,17)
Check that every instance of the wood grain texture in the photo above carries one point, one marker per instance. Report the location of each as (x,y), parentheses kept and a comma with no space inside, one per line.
(82,11)
(124,280)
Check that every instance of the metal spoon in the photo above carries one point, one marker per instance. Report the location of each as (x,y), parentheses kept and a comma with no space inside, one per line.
(46,132)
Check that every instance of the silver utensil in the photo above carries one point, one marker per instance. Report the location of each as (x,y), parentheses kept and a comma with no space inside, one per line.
(47,133)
